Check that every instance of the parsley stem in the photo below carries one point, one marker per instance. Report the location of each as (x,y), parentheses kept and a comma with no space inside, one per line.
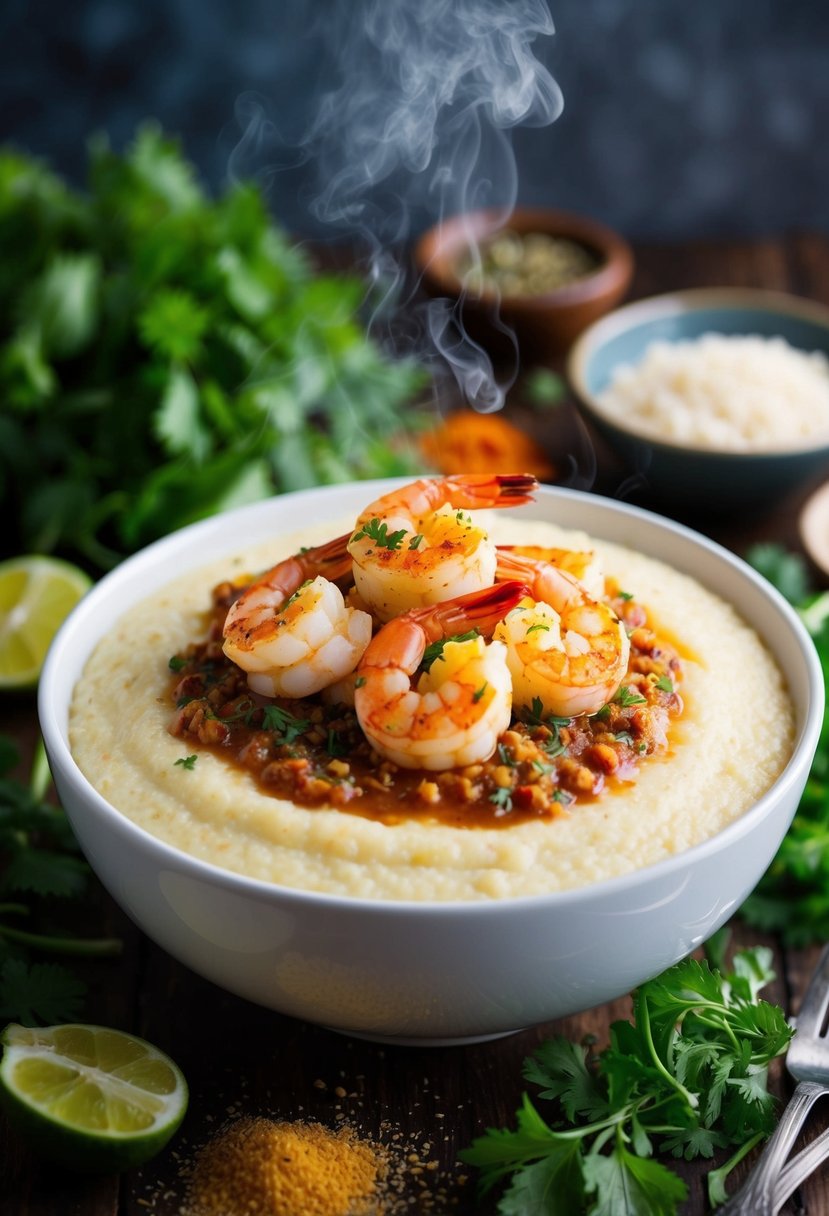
(41,775)
(97,947)
(716,1178)
(643,1019)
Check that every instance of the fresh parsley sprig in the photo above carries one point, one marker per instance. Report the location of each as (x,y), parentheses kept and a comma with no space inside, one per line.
(165,355)
(40,859)
(687,1075)
(792,898)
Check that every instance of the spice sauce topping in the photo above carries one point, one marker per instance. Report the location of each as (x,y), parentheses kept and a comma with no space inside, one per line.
(316,755)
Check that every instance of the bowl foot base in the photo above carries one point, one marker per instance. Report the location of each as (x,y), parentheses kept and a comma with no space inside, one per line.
(402,1040)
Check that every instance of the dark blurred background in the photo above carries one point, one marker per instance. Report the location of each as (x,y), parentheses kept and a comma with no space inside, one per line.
(681,119)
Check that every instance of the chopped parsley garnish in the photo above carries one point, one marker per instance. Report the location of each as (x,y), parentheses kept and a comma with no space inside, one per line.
(543,768)
(535,628)
(284,724)
(506,757)
(335,745)
(176,662)
(564,797)
(629,696)
(293,598)
(359,682)
(536,715)
(553,746)
(624,736)
(434,650)
(479,692)
(665,684)
(625,595)
(188,762)
(502,798)
(379,533)
(415,541)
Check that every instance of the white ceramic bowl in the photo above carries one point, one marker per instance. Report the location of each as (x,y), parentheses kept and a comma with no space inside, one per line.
(420,972)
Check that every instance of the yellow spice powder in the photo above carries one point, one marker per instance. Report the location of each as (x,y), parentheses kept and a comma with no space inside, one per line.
(257,1167)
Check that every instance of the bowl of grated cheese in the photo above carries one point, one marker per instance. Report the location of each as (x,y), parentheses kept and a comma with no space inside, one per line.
(713,397)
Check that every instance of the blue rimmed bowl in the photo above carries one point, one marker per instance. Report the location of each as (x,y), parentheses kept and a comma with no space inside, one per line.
(683,475)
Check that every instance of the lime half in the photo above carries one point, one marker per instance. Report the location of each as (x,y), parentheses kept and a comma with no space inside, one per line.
(90,1098)
(36,595)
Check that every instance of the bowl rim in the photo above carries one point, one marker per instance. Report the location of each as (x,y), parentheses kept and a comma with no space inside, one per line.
(167,855)
(674,304)
(612,274)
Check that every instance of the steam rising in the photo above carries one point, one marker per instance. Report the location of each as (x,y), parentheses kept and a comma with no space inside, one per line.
(418,128)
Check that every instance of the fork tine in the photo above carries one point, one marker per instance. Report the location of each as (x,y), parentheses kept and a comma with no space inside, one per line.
(813,1008)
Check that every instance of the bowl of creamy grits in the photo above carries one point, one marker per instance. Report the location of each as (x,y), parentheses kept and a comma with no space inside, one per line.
(523,801)
(713,397)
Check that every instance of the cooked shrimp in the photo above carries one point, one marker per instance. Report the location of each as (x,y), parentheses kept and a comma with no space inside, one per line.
(417,546)
(456,710)
(584,564)
(291,630)
(563,646)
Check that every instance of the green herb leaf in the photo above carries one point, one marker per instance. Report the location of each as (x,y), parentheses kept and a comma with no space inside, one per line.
(502,797)
(434,650)
(39,993)
(188,762)
(379,533)
(543,388)
(665,684)
(284,724)
(176,663)
(784,570)
(627,1185)
(628,696)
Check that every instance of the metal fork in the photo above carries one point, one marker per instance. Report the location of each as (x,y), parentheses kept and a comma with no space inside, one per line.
(769,1184)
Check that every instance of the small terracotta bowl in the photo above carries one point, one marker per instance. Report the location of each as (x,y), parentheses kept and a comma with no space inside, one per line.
(544,325)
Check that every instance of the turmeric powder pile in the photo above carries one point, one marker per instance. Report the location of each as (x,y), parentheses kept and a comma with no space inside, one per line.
(257,1167)
(469,442)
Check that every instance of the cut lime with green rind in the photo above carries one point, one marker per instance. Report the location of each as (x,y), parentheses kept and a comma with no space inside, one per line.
(90,1098)
(36,596)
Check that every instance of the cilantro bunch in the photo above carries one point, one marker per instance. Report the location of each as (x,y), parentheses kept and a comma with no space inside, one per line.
(792,898)
(687,1076)
(164,355)
(40,864)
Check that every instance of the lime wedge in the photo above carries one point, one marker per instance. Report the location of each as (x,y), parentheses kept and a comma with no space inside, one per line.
(90,1098)
(36,595)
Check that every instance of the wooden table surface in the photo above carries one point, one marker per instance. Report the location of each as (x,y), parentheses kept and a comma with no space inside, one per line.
(241,1058)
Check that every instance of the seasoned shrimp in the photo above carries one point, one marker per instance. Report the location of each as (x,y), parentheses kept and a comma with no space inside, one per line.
(456,710)
(563,646)
(417,546)
(291,629)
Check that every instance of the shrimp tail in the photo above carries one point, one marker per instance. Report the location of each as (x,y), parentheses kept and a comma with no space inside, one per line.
(487,490)
(332,560)
(481,610)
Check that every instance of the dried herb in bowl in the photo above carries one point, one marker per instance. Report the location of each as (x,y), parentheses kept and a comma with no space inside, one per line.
(526,264)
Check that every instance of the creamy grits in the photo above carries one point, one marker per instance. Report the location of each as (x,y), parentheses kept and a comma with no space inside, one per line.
(731,743)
